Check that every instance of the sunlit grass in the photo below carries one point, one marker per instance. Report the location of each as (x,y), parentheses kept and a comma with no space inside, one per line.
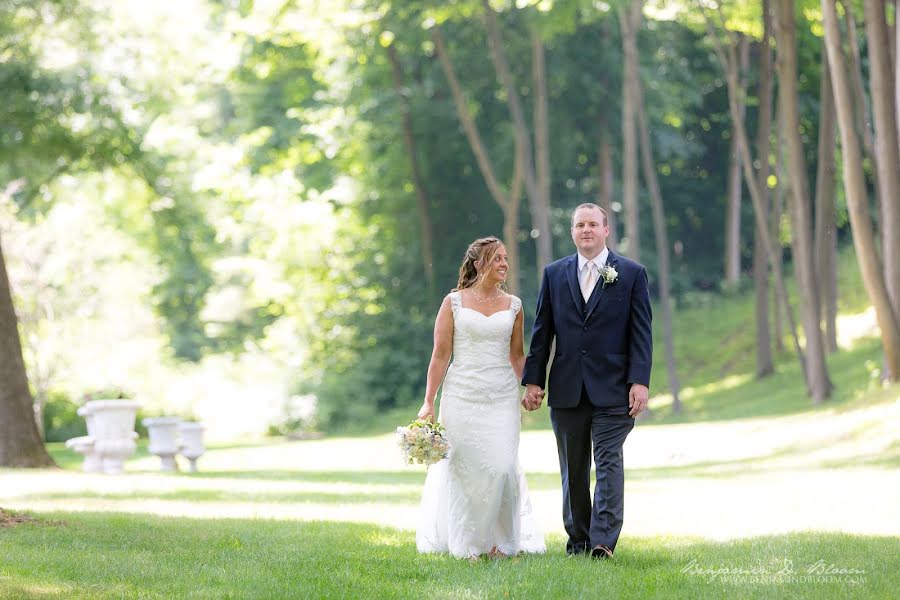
(101,556)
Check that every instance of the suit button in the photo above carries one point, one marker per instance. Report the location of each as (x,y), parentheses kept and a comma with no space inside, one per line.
(584,328)
(584,351)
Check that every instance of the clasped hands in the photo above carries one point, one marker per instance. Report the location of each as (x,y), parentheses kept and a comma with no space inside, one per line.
(533,397)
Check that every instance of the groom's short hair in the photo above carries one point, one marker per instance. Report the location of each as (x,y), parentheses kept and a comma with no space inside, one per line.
(591,205)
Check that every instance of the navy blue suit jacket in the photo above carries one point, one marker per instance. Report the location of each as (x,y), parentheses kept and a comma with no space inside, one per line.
(603,345)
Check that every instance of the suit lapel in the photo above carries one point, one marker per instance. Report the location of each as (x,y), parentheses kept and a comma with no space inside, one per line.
(572,276)
(600,288)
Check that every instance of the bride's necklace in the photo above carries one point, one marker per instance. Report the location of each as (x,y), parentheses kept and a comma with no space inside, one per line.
(485,299)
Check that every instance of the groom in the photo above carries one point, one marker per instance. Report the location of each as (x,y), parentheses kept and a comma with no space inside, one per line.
(597,307)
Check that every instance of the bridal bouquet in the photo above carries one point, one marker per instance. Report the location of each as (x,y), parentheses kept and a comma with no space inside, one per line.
(423,442)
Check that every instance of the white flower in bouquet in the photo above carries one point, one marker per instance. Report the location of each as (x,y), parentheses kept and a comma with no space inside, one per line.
(423,442)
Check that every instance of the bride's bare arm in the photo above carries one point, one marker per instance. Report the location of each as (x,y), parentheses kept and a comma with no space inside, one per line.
(517,346)
(440,357)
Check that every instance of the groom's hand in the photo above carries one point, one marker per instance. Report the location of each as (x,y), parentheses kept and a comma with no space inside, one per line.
(638,396)
(533,396)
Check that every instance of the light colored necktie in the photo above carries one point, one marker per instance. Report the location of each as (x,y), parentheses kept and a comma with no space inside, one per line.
(590,279)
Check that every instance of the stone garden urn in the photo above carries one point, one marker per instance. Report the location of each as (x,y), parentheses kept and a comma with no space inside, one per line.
(111,425)
(191,442)
(84,445)
(163,432)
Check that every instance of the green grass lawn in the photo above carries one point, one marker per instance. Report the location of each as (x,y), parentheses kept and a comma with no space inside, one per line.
(100,556)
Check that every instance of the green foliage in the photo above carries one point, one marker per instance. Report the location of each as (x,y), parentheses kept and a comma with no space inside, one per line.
(111,393)
(275,103)
(64,121)
(61,420)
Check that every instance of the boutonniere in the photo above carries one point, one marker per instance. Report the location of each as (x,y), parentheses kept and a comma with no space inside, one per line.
(609,275)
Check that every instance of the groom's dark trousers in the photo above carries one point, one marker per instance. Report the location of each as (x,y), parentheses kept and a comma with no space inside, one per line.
(576,428)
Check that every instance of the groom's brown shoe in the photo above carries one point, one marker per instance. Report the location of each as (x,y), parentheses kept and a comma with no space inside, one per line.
(601,551)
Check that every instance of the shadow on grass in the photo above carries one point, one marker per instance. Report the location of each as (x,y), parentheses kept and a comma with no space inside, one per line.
(135,556)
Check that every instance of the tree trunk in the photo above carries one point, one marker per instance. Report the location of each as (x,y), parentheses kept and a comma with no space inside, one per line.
(728,59)
(503,199)
(629,22)
(897,68)
(659,229)
(20,443)
(409,142)
(764,365)
(781,190)
(887,153)
(892,39)
(605,168)
(733,215)
(857,200)
(826,234)
(801,213)
(539,205)
(511,227)
(735,185)
(862,112)
(607,183)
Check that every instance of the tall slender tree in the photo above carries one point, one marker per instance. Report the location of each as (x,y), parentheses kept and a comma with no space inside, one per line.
(855,192)
(629,21)
(896,34)
(659,225)
(801,214)
(535,159)
(764,364)
(727,55)
(606,189)
(780,311)
(887,151)
(862,107)
(507,199)
(735,183)
(605,168)
(409,143)
(826,228)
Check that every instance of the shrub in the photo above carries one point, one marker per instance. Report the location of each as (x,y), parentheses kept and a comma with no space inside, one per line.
(61,420)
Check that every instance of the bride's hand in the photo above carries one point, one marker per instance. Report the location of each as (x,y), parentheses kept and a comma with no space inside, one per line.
(426,412)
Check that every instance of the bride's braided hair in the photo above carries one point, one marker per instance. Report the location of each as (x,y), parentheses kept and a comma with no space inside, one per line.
(480,251)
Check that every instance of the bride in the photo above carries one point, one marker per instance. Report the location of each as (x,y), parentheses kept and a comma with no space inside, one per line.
(476,502)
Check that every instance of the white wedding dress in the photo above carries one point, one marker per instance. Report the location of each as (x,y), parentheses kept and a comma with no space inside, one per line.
(477,499)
